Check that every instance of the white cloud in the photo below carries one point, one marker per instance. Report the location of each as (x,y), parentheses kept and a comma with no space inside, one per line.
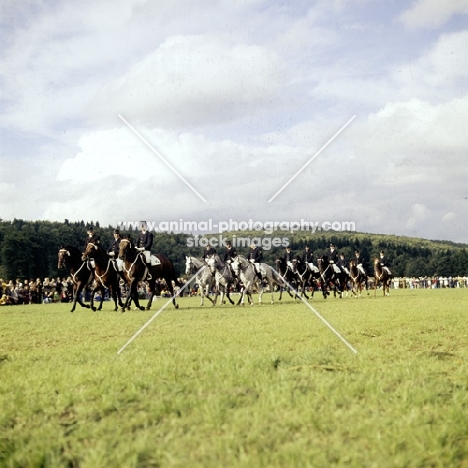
(191,81)
(432,13)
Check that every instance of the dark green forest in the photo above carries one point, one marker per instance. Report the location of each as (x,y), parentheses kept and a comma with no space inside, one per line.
(29,249)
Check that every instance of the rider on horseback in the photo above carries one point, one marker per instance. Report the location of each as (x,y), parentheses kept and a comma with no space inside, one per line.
(92,238)
(359,261)
(332,255)
(113,251)
(308,259)
(343,264)
(288,257)
(384,262)
(143,244)
(229,254)
(255,256)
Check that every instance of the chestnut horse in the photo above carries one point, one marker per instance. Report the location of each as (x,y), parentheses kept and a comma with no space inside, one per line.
(81,272)
(358,279)
(135,271)
(381,275)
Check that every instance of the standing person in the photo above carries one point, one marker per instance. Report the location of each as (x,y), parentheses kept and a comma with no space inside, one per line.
(255,256)
(332,255)
(92,237)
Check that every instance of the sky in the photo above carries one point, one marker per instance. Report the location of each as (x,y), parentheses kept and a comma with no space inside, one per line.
(233,98)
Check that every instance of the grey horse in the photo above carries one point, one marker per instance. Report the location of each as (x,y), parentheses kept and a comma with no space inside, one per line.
(204,279)
(245,271)
(224,278)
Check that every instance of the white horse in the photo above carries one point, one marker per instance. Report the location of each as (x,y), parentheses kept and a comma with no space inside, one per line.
(245,271)
(223,278)
(204,279)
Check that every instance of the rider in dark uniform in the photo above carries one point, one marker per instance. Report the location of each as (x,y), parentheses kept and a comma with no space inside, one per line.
(332,255)
(359,261)
(113,249)
(92,238)
(384,263)
(255,256)
(343,264)
(209,251)
(288,256)
(308,255)
(145,242)
(230,253)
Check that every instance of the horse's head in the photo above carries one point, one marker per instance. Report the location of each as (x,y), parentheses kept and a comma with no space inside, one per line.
(89,252)
(189,266)
(279,265)
(236,265)
(63,254)
(322,263)
(295,264)
(211,262)
(124,247)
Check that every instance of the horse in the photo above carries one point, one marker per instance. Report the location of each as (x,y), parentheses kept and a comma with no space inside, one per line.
(105,273)
(287,273)
(135,270)
(381,275)
(245,271)
(223,278)
(205,279)
(358,279)
(82,273)
(339,281)
(306,275)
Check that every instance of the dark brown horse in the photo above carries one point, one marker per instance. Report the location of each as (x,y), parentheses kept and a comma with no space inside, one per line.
(381,275)
(338,281)
(105,273)
(82,273)
(135,270)
(358,279)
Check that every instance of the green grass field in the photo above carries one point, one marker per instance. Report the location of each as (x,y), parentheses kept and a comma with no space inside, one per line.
(261,386)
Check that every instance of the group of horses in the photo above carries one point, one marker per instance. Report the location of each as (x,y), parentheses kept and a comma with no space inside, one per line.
(295,277)
(95,267)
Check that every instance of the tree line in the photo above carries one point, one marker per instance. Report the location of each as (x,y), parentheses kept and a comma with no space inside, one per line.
(29,249)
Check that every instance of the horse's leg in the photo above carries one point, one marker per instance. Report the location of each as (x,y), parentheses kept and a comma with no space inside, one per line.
(103,291)
(134,294)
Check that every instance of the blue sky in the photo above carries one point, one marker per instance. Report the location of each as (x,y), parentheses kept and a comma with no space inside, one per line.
(237,96)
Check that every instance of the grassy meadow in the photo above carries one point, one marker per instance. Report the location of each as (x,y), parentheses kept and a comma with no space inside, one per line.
(260,386)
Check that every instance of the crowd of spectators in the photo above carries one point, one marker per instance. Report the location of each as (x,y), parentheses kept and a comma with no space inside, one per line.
(36,291)
(50,290)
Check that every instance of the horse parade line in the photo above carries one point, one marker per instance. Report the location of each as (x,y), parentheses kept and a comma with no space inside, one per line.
(270,200)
